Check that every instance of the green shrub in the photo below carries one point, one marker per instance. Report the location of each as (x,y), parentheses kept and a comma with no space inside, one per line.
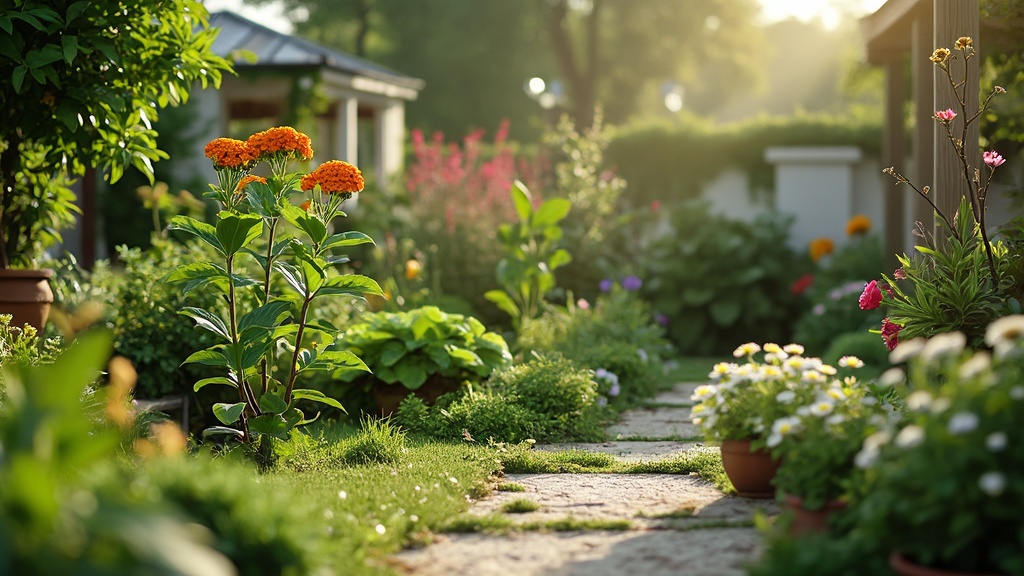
(406,348)
(482,415)
(723,282)
(563,396)
(617,335)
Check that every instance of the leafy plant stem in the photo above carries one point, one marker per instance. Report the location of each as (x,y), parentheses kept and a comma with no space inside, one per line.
(243,392)
(293,371)
(264,363)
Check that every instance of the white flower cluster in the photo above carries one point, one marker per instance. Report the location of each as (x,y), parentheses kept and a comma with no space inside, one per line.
(776,393)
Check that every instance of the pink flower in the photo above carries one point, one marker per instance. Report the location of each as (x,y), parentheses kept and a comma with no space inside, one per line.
(582,304)
(992,158)
(945,115)
(890,334)
(871,298)
(900,274)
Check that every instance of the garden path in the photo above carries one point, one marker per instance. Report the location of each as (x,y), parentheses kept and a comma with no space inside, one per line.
(678,524)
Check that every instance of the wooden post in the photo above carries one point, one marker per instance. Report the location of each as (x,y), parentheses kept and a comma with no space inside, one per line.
(953,19)
(924,127)
(893,154)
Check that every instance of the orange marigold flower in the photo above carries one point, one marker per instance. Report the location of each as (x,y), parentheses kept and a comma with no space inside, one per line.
(859,224)
(305,205)
(283,139)
(820,247)
(412,269)
(229,153)
(249,180)
(334,177)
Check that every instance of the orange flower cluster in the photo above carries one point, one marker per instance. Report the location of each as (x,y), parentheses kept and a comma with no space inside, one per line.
(820,247)
(282,139)
(859,224)
(229,153)
(305,205)
(249,180)
(334,177)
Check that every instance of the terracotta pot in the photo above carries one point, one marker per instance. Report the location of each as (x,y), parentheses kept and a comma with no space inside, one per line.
(905,567)
(810,521)
(750,471)
(26,295)
(389,396)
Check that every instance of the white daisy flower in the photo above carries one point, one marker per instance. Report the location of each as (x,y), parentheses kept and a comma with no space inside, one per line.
(851,362)
(906,350)
(748,349)
(1007,329)
(910,436)
(835,419)
(996,441)
(772,348)
(703,391)
(793,349)
(822,408)
(962,422)
(940,345)
(786,396)
(787,425)
(919,400)
(975,365)
(992,483)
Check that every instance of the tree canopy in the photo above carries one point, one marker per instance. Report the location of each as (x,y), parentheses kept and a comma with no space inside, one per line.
(476,55)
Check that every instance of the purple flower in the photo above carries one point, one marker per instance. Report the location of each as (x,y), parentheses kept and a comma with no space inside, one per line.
(606,285)
(661,319)
(632,283)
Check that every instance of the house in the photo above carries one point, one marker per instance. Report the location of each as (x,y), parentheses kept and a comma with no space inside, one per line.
(353,109)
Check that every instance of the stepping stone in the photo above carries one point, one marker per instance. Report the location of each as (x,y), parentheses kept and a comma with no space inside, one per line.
(679,395)
(643,499)
(627,451)
(655,423)
(711,552)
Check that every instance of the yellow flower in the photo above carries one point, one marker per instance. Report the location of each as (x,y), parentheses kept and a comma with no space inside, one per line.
(859,224)
(940,55)
(820,247)
(963,42)
(412,269)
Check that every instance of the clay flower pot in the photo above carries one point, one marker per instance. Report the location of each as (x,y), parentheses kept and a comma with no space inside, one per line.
(750,471)
(810,521)
(26,295)
(904,567)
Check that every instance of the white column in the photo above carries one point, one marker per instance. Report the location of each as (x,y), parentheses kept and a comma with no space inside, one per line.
(390,133)
(815,184)
(346,131)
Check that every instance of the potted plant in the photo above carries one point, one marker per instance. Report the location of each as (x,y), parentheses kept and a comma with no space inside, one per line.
(423,351)
(817,459)
(751,408)
(945,486)
(78,97)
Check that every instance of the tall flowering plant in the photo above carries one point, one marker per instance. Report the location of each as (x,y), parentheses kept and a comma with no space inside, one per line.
(252,226)
(963,282)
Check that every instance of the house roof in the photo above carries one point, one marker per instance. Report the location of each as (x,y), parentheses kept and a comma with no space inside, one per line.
(276,49)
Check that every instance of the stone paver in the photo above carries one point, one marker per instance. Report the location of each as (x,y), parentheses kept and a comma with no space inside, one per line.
(627,451)
(677,520)
(711,552)
(639,498)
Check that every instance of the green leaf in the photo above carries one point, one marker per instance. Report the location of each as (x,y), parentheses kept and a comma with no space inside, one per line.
(69,44)
(522,200)
(271,425)
(208,358)
(18,78)
(220,430)
(725,311)
(273,404)
(228,413)
(464,357)
(201,230)
(392,353)
(352,238)
(305,221)
(214,380)
(235,231)
(503,301)
(266,316)
(315,396)
(558,259)
(207,320)
(351,285)
(293,277)
(551,212)
(412,375)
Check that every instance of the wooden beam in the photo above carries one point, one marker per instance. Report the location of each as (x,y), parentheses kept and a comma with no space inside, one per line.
(953,19)
(924,127)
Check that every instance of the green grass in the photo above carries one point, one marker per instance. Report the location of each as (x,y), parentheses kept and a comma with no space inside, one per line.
(510,487)
(520,506)
(694,368)
(498,524)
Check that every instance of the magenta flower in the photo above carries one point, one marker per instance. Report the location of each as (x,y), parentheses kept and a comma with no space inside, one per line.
(945,115)
(871,298)
(992,158)
(890,334)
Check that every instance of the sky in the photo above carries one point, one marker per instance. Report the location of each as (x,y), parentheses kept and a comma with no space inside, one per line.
(772,11)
